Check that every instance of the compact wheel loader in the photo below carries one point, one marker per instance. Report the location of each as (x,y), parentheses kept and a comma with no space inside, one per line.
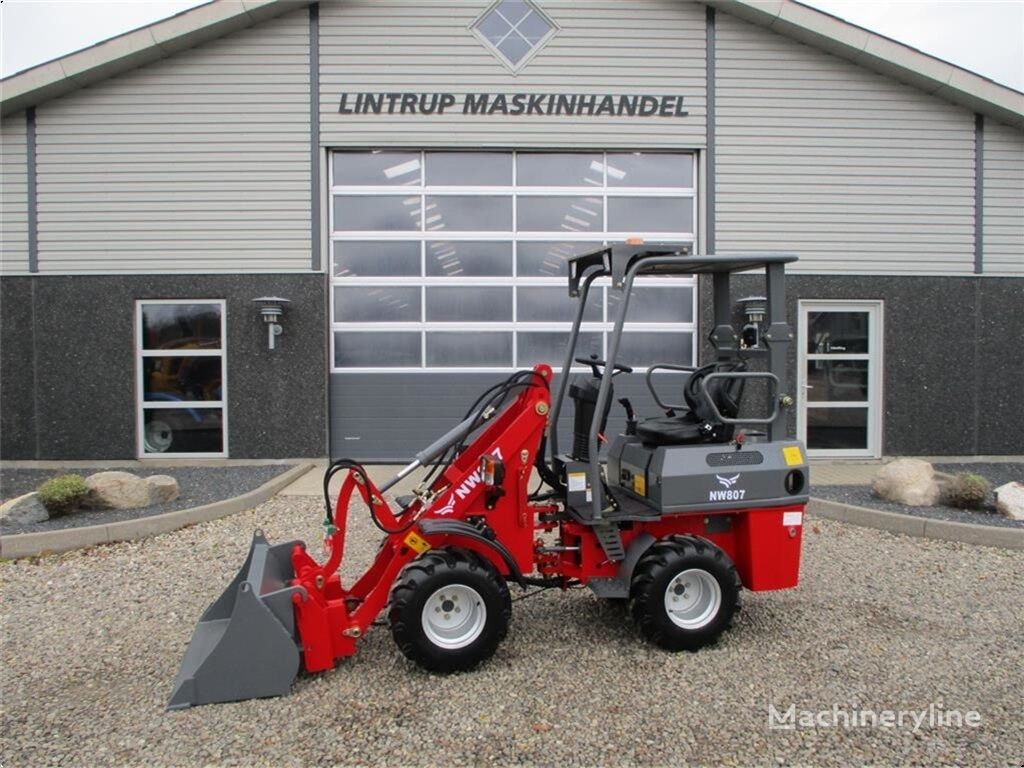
(675,515)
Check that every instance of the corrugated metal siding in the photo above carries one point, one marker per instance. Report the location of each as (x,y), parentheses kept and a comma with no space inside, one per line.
(1003,231)
(643,47)
(13,196)
(196,163)
(854,172)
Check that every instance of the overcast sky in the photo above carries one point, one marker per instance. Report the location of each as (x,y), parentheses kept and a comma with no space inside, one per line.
(985,36)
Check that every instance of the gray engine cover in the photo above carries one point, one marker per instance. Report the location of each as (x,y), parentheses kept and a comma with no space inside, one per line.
(682,478)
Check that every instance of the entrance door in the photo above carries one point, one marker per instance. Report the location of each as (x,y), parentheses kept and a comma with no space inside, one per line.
(840,378)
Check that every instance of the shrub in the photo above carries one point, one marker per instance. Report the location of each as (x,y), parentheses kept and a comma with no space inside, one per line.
(967,491)
(62,494)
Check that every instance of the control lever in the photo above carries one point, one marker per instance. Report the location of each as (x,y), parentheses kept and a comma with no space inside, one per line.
(630,415)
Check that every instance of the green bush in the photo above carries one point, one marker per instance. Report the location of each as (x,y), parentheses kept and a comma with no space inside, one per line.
(967,491)
(60,495)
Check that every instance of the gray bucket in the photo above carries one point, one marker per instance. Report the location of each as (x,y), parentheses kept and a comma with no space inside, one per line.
(245,645)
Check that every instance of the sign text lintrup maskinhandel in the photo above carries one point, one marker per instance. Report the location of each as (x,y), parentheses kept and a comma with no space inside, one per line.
(515,104)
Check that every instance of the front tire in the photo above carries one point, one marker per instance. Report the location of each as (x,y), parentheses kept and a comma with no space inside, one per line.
(684,593)
(450,609)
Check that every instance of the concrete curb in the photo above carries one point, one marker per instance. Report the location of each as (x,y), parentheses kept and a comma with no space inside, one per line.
(32,544)
(925,527)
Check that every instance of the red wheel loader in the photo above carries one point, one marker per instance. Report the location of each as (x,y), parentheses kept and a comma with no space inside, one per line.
(675,515)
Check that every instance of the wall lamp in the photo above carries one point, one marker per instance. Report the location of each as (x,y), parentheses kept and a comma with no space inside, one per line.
(754,309)
(271,310)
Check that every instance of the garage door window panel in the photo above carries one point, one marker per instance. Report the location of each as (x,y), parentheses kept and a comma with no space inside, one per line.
(471,256)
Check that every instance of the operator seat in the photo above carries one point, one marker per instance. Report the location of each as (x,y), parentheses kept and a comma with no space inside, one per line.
(699,424)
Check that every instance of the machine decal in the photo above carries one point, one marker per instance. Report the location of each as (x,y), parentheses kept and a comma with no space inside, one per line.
(792,518)
(639,485)
(416,542)
(792,455)
(448,508)
(730,494)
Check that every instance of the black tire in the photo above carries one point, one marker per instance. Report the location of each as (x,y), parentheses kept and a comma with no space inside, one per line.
(422,581)
(691,628)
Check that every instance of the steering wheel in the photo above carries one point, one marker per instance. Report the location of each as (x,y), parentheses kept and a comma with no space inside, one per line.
(593,361)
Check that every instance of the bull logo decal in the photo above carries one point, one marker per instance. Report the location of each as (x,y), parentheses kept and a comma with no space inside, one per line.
(728,482)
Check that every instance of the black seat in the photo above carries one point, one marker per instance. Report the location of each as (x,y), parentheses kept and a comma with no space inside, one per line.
(699,424)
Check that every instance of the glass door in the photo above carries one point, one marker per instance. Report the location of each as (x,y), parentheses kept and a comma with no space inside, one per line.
(840,378)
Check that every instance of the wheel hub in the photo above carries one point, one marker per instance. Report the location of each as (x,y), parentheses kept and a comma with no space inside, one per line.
(693,598)
(454,616)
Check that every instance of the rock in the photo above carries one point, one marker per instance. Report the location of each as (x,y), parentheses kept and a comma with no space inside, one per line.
(907,481)
(162,488)
(116,490)
(24,510)
(1010,500)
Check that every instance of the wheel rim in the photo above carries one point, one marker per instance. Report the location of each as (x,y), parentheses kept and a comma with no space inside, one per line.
(454,616)
(158,436)
(693,598)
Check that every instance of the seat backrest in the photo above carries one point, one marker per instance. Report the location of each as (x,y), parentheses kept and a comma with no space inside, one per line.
(726,393)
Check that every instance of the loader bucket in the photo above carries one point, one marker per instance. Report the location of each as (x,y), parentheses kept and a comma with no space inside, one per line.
(245,645)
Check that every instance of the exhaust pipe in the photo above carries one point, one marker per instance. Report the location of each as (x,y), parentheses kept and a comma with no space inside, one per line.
(245,645)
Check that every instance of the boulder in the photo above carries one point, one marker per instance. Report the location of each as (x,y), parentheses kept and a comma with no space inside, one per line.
(1010,500)
(116,490)
(907,481)
(24,510)
(162,488)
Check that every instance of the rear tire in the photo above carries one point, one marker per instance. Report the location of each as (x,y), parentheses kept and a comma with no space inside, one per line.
(449,611)
(684,593)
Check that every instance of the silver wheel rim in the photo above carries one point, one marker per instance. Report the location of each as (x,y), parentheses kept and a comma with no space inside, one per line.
(454,616)
(158,436)
(693,598)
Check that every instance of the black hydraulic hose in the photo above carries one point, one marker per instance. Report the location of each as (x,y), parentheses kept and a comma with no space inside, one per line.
(360,471)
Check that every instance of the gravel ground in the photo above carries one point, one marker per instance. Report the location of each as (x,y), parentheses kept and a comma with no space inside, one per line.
(199,485)
(996,473)
(92,641)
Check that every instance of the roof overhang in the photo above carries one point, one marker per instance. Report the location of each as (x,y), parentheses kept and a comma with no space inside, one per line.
(136,48)
(882,55)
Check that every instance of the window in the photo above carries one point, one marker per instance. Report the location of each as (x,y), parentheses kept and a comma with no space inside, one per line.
(513,30)
(457,260)
(181,378)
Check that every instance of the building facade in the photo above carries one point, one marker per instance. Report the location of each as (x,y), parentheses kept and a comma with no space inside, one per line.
(412,176)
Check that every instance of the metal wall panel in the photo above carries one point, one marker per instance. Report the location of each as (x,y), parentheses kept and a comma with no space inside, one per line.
(196,163)
(13,196)
(856,173)
(390,417)
(1003,228)
(605,46)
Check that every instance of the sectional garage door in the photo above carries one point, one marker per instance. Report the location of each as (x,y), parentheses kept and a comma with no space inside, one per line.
(449,272)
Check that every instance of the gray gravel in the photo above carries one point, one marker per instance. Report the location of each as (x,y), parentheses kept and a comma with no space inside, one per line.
(92,641)
(199,485)
(996,473)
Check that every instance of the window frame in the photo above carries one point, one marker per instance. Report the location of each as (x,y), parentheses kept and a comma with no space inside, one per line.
(513,281)
(142,405)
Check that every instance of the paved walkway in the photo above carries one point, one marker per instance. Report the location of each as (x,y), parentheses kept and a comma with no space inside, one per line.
(823,472)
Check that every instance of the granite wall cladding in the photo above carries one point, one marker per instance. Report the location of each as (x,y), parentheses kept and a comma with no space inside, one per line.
(954,371)
(67,349)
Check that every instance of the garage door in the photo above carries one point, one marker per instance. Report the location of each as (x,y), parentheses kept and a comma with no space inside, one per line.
(449,272)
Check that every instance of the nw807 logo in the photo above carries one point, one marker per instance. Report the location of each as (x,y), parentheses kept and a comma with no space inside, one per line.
(727,492)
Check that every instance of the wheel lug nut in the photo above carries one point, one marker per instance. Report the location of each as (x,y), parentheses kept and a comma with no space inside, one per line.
(458,610)
(447,615)
(437,610)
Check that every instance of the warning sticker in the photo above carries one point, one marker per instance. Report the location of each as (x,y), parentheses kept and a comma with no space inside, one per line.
(577,481)
(792,455)
(415,542)
(790,519)
(639,485)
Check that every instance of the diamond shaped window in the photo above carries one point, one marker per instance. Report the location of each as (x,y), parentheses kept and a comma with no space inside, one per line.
(513,30)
